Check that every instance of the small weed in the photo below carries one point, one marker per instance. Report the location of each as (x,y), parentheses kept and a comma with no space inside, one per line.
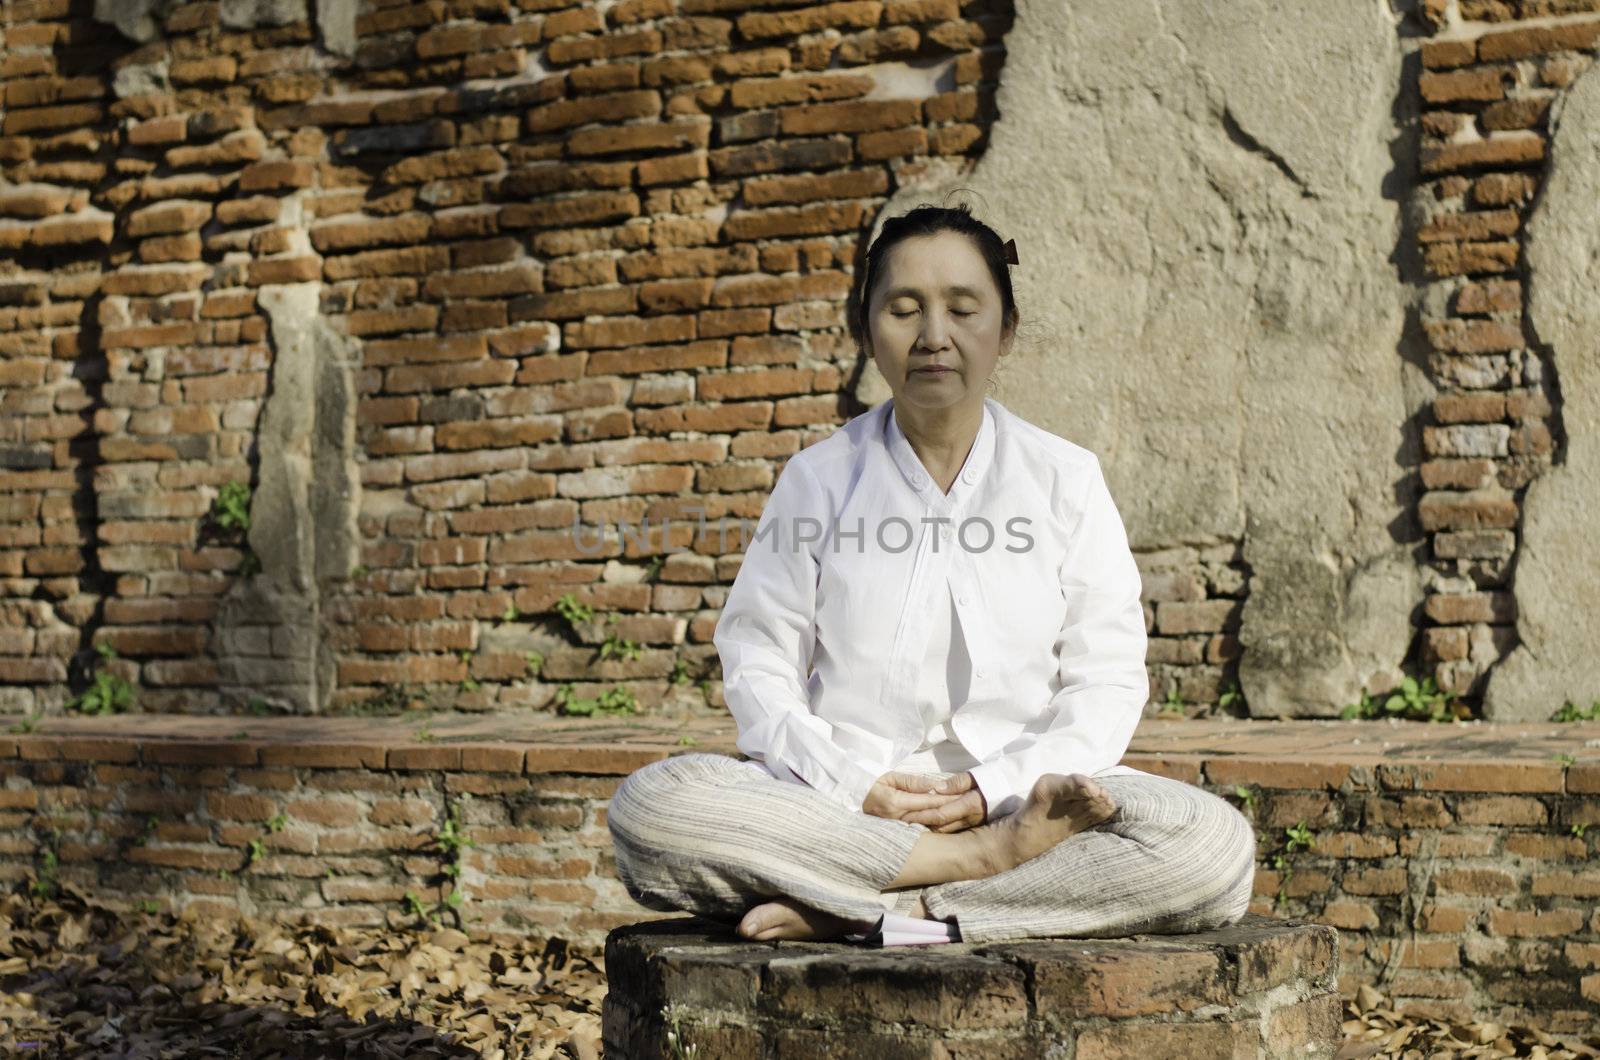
(680,672)
(653,568)
(29,723)
(570,609)
(450,841)
(1229,695)
(1172,705)
(1300,838)
(677,1047)
(425,734)
(687,741)
(1247,796)
(535,660)
(616,700)
(1415,700)
(1570,711)
(224,874)
(511,614)
(242,734)
(360,570)
(231,509)
(43,884)
(259,706)
(1563,758)
(467,682)
(618,646)
(150,826)
(107,693)
(1577,829)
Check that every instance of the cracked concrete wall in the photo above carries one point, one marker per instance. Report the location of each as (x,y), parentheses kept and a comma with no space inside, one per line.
(1198,197)
(1556,578)
(302,511)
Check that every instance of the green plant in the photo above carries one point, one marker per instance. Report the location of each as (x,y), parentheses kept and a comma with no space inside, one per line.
(677,1047)
(224,874)
(1416,700)
(1577,829)
(467,682)
(535,660)
(107,692)
(150,825)
(360,570)
(43,884)
(450,841)
(1299,838)
(259,706)
(29,723)
(425,734)
(1570,711)
(1247,796)
(687,741)
(653,568)
(511,614)
(1228,696)
(149,906)
(570,609)
(619,646)
(231,509)
(615,700)
(257,848)
(242,734)
(1563,758)
(1173,704)
(680,672)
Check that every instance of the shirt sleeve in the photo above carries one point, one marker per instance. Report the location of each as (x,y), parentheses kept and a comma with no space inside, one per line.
(1101,654)
(765,637)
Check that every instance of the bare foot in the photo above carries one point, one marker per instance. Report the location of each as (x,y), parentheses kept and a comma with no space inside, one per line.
(1059,805)
(784,918)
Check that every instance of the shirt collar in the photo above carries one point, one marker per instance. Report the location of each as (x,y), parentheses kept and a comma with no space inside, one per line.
(905,457)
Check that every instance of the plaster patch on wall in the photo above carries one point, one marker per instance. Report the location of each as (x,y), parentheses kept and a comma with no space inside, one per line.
(302,511)
(1556,578)
(1205,253)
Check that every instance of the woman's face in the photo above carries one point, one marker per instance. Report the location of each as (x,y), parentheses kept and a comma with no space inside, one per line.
(934,303)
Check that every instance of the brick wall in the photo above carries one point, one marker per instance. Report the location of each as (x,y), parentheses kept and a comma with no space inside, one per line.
(541,262)
(1490,72)
(1457,864)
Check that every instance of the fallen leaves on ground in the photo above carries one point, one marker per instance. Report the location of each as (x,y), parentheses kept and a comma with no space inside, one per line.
(1372,1028)
(80,980)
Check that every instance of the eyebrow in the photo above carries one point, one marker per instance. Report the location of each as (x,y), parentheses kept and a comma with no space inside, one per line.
(897,292)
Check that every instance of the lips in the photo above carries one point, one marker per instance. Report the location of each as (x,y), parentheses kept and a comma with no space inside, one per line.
(934,369)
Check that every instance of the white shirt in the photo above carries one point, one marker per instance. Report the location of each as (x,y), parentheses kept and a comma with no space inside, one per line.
(830,625)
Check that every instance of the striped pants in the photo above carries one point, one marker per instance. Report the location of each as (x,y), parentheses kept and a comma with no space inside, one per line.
(709,835)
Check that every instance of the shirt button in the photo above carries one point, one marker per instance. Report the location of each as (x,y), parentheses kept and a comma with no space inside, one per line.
(962,600)
(969,476)
(978,672)
(919,482)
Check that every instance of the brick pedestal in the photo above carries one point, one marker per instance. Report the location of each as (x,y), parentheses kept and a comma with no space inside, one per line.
(1264,988)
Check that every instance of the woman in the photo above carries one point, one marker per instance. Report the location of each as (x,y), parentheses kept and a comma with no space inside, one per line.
(935,711)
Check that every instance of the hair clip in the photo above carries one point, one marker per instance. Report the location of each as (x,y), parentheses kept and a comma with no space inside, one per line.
(1011,251)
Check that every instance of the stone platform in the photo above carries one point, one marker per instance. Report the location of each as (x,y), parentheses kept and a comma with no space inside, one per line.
(1262,989)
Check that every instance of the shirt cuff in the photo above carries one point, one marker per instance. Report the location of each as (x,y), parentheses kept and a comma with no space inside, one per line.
(994,780)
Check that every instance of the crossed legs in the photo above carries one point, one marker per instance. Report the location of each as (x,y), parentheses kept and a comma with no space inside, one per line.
(706,834)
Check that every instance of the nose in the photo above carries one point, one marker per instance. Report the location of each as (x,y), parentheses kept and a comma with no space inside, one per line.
(933,331)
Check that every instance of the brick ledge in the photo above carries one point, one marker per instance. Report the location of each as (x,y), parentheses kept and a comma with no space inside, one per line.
(1465,756)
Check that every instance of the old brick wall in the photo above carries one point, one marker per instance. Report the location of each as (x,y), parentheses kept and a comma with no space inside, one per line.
(1490,73)
(1457,864)
(443,278)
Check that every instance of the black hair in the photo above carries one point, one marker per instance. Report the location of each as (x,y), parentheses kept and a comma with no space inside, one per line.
(926,220)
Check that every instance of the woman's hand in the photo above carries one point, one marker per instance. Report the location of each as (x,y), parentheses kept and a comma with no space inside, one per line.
(966,807)
(898,796)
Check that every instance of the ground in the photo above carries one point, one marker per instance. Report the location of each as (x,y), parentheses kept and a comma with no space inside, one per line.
(81,980)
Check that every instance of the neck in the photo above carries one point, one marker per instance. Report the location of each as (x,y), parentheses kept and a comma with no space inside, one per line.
(941,438)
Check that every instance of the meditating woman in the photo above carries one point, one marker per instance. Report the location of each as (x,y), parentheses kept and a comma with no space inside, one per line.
(934,651)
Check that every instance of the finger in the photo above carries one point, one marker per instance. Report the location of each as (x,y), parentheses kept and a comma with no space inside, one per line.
(956,785)
(914,782)
(910,804)
(938,817)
